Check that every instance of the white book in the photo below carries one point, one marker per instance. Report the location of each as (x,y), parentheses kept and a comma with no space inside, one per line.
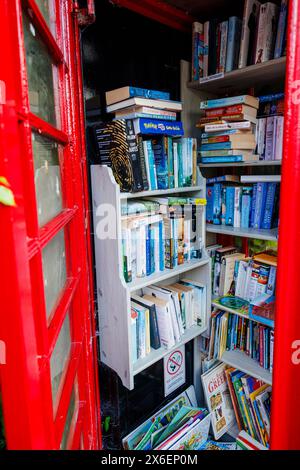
(164,321)
(142,327)
(250,15)
(133,252)
(206,51)
(261,136)
(243,125)
(241,279)
(278,153)
(223,46)
(127,247)
(200,301)
(271,281)
(266,32)
(141,251)
(156,248)
(175,156)
(237,207)
(160,104)
(260,178)
(270,127)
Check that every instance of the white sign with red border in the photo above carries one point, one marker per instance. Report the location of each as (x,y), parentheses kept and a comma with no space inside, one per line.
(174,370)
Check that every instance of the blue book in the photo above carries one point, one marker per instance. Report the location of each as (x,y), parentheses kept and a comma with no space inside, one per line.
(150,163)
(145,93)
(233,43)
(161,246)
(217,204)
(260,204)
(148,250)
(271,97)
(169,143)
(152,250)
(210,204)
(281,30)
(206,135)
(180,165)
(253,203)
(158,126)
(229,159)
(161,163)
(221,102)
(269,206)
(146,116)
(246,206)
(217,146)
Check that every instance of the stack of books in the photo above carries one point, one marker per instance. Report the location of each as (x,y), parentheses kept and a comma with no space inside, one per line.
(159,234)
(223,46)
(230,332)
(228,129)
(161,315)
(251,206)
(270,127)
(144,144)
(251,400)
(180,425)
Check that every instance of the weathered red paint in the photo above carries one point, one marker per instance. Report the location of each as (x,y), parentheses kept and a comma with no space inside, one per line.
(286,378)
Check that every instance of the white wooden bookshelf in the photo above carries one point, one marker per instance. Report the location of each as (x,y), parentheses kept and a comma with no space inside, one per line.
(113,293)
(243,362)
(262,234)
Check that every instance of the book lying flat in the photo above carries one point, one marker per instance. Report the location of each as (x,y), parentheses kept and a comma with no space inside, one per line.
(229,159)
(234,100)
(136,101)
(120,94)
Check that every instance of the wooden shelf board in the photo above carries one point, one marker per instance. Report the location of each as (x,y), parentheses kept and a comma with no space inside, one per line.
(236,312)
(261,234)
(158,354)
(161,192)
(139,283)
(241,361)
(263,74)
(241,164)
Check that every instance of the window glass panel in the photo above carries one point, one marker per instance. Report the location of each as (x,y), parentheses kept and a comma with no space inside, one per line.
(60,356)
(54,270)
(47,177)
(69,420)
(42,75)
(46,8)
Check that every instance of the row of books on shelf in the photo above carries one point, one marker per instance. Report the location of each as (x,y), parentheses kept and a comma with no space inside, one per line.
(230,332)
(269,137)
(162,314)
(252,206)
(223,46)
(164,238)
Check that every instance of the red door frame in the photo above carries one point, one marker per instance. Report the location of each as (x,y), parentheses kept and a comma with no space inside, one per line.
(32,421)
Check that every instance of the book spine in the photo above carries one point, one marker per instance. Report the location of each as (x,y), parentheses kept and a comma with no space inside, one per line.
(194,162)
(175,234)
(154,331)
(271,350)
(261,137)
(150,126)
(234,32)
(259,204)
(228,126)
(169,243)
(269,138)
(195,47)
(266,34)
(222,102)
(126,244)
(156,248)
(269,206)
(161,163)
(142,333)
(229,216)
(205,49)
(152,167)
(217,146)
(148,250)
(170,162)
(237,207)
(223,46)
(244,49)
(223,205)
(281,30)
(180,164)
(152,115)
(175,155)
(210,204)
(217,204)
(246,207)
(161,246)
(147,332)
(150,94)
(141,268)
(236,158)
(271,281)
(253,205)
(134,156)
(143,165)
(279,138)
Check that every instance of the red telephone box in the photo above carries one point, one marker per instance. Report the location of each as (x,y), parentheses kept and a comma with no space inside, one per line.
(49,379)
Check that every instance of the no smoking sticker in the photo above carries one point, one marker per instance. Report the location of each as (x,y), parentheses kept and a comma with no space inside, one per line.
(174,370)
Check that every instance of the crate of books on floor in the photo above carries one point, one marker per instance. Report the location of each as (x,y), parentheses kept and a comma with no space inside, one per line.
(149,204)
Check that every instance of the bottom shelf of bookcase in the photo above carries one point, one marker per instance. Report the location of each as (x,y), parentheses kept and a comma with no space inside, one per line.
(241,361)
(157,354)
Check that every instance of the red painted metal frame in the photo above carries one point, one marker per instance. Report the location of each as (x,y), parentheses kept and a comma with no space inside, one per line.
(160,11)
(38,423)
(286,382)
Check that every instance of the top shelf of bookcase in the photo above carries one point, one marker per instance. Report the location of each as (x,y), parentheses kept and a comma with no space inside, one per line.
(271,72)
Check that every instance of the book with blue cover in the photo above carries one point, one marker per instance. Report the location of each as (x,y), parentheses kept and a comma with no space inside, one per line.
(233,100)
(124,93)
(150,164)
(261,193)
(229,159)
(158,126)
(161,163)
(281,30)
(217,146)
(269,206)
(233,44)
(246,206)
(229,200)
(209,205)
(217,204)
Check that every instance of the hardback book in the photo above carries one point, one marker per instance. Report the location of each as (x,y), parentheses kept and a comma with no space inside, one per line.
(124,93)
(231,110)
(149,103)
(233,43)
(218,400)
(266,32)
(223,46)
(147,126)
(144,111)
(234,100)
(244,126)
(261,194)
(281,30)
(249,30)
(197,51)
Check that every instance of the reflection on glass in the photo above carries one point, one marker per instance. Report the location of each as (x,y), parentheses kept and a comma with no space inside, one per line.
(40,72)
(47,178)
(44,6)
(54,270)
(60,356)
(68,423)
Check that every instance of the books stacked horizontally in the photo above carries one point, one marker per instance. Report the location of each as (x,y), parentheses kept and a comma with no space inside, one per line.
(251,400)
(230,332)
(228,129)
(254,205)
(270,127)
(161,316)
(180,425)
(259,36)
(159,234)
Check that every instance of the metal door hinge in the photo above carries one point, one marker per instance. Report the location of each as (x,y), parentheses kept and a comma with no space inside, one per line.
(87,15)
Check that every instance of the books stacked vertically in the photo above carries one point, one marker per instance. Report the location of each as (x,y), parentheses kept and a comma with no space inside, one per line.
(230,136)
(250,206)
(245,442)
(159,234)
(180,425)
(162,314)
(270,127)
(251,400)
(223,46)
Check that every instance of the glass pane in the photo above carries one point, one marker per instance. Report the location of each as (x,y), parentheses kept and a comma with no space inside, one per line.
(54,270)
(40,72)
(46,8)
(69,419)
(60,356)
(47,178)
